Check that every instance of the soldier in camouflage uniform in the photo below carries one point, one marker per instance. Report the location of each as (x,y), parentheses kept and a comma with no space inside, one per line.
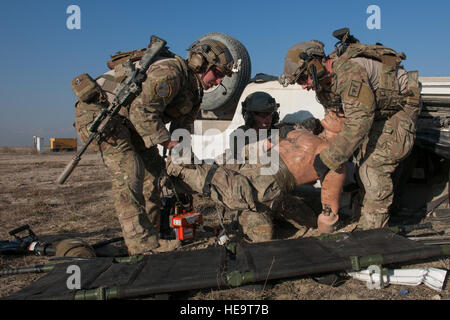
(259,110)
(380,101)
(171,93)
(259,192)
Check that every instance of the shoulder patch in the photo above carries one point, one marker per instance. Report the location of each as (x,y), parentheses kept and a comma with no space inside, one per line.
(163,90)
(354,89)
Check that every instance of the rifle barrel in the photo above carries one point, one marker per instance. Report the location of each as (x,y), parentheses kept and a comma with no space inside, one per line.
(72,164)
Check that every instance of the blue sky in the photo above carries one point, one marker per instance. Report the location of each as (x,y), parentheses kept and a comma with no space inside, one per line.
(39,55)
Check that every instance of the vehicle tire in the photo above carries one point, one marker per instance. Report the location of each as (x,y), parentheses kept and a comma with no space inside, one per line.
(218,102)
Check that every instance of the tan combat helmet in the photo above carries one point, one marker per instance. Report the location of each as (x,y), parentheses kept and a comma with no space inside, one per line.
(207,53)
(297,61)
(73,248)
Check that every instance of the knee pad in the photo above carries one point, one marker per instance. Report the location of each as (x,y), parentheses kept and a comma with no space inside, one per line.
(256,225)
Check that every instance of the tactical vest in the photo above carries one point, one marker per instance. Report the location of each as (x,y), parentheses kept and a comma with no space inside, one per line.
(188,99)
(389,100)
(118,59)
(135,55)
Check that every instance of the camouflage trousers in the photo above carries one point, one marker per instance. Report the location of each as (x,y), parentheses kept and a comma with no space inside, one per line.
(135,172)
(237,187)
(389,142)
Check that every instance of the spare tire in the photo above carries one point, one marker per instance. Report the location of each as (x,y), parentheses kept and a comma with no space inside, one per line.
(218,100)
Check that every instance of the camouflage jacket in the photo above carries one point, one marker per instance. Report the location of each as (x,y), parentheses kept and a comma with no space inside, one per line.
(355,87)
(171,93)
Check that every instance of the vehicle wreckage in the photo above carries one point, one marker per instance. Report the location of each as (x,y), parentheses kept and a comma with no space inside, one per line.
(422,193)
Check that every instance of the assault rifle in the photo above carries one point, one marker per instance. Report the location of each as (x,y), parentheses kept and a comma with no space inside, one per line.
(125,93)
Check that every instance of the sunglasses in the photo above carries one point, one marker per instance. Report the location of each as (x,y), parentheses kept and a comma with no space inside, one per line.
(302,79)
(217,72)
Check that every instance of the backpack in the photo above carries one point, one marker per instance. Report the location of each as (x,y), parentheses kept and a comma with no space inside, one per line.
(388,97)
(135,55)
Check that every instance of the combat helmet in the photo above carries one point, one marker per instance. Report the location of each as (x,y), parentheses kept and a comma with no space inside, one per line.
(259,102)
(207,53)
(299,59)
(73,248)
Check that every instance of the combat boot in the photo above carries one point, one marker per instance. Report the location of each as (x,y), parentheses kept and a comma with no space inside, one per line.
(142,245)
(167,245)
(373,221)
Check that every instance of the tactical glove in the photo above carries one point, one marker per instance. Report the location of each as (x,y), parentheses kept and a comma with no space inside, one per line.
(320,167)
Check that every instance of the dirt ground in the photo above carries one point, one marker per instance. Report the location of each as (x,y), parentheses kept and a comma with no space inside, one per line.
(82,208)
